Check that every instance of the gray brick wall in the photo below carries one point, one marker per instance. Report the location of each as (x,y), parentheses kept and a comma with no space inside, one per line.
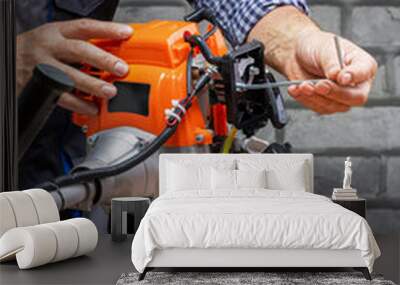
(371,134)
(130,11)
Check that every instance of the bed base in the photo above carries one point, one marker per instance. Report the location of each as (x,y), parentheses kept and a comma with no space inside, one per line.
(242,259)
(363,270)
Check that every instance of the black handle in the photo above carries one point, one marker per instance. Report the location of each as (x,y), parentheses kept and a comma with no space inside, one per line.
(37,100)
(278,116)
(200,15)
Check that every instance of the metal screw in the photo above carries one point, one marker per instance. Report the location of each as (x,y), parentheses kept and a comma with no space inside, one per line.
(254,70)
(91,140)
(339,52)
(199,138)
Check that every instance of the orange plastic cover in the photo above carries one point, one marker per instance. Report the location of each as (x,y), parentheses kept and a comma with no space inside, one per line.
(157,56)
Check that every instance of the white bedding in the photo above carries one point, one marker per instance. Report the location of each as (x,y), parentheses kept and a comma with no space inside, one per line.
(252,218)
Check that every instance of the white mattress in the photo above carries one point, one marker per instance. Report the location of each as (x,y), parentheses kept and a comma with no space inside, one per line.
(253,218)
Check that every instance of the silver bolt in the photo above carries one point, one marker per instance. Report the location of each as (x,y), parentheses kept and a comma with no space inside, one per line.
(254,70)
(91,140)
(199,138)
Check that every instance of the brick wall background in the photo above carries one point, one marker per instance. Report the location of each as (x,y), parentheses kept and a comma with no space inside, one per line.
(371,134)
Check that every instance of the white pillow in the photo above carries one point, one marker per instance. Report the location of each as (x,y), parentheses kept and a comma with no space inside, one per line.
(186,174)
(287,179)
(184,177)
(227,179)
(223,179)
(251,178)
(285,174)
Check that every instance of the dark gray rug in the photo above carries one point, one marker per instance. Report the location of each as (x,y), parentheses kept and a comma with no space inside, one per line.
(243,278)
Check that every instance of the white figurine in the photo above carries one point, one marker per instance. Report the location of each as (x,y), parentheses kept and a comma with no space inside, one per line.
(347,174)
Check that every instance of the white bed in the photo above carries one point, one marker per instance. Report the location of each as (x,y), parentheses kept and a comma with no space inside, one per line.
(248,227)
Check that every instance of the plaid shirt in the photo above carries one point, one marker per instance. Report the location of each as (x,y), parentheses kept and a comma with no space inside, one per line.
(237,17)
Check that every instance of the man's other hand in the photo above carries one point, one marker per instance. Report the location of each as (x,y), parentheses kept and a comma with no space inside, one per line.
(296,47)
(63,43)
(316,57)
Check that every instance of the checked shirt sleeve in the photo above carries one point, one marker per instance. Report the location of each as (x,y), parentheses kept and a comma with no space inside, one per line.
(238,17)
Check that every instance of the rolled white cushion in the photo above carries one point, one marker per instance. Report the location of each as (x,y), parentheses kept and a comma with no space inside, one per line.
(7,218)
(23,208)
(33,246)
(67,240)
(40,244)
(87,235)
(45,205)
(251,178)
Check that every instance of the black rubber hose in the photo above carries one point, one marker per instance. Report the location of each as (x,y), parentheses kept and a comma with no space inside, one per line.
(99,173)
(206,14)
(189,73)
(198,41)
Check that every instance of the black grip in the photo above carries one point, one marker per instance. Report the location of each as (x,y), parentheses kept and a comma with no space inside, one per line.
(37,100)
(278,115)
(200,15)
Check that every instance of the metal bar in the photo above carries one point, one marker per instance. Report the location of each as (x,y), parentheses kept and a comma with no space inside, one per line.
(70,196)
(275,84)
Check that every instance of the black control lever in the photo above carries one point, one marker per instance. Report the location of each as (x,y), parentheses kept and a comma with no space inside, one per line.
(206,14)
(37,100)
(200,15)
(278,113)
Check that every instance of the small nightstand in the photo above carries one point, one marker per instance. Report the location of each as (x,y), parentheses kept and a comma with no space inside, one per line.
(126,214)
(358,206)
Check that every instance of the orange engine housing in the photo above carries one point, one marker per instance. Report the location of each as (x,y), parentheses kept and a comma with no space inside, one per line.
(157,56)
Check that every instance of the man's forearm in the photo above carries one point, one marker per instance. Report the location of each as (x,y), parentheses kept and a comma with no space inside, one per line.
(279,31)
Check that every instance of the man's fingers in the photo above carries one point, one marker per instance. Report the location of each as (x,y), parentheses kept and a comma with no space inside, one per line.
(308,97)
(319,103)
(350,96)
(77,51)
(328,58)
(360,67)
(332,68)
(87,83)
(297,93)
(85,29)
(74,104)
(323,87)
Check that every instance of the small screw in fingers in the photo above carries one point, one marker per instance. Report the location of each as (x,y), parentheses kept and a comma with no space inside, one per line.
(339,51)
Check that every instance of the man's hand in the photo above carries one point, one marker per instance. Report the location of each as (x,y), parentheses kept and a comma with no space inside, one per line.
(63,43)
(297,48)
